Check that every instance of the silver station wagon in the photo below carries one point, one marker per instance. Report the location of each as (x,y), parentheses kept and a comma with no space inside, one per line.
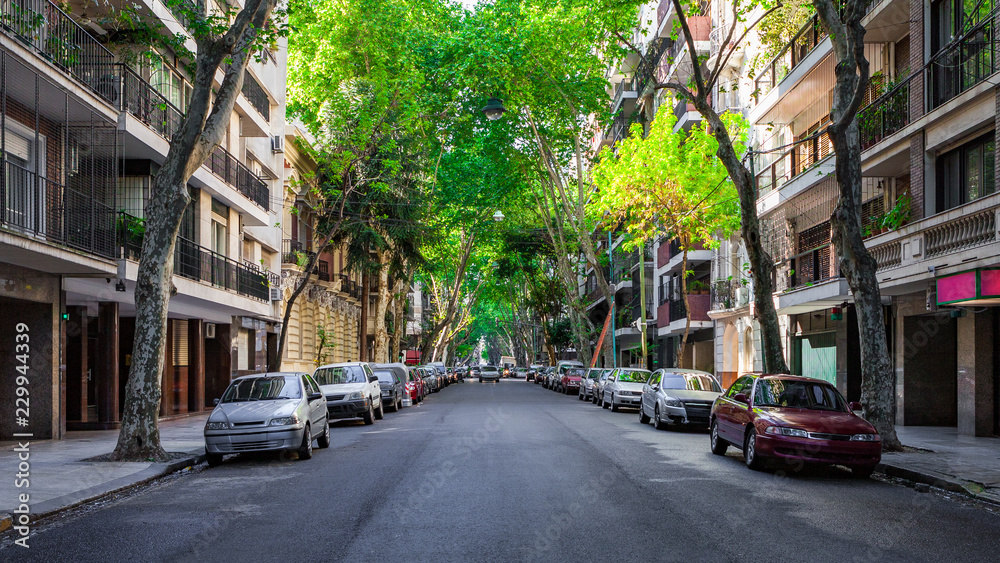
(267,411)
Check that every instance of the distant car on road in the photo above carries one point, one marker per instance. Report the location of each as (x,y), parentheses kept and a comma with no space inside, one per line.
(267,411)
(430,377)
(352,391)
(489,373)
(588,381)
(602,380)
(392,381)
(569,381)
(678,396)
(624,388)
(415,385)
(521,373)
(533,370)
(793,418)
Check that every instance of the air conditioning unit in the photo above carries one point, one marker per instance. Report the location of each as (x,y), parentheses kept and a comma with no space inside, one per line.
(275,294)
(277,144)
(209,330)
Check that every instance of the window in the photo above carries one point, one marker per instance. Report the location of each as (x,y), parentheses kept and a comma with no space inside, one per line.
(966,173)
(655,378)
(741,385)
(24,156)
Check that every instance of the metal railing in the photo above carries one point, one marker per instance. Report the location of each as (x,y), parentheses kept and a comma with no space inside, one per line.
(808,268)
(291,249)
(730,294)
(236,174)
(662,10)
(255,94)
(809,36)
(962,64)
(886,115)
(46,210)
(198,263)
(55,36)
(323,270)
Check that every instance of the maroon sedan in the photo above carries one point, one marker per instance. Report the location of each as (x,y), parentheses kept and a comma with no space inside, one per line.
(797,419)
(569,382)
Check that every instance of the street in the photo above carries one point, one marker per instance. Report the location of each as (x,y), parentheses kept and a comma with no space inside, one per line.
(511,471)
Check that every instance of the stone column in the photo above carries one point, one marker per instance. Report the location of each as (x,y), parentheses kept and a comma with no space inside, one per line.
(975,374)
(107,376)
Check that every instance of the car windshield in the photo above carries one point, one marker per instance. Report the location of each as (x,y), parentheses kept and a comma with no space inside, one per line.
(340,375)
(575,372)
(691,382)
(489,368)
(633,376)
(385,376)
(262,389)
(594,373)
(798,395)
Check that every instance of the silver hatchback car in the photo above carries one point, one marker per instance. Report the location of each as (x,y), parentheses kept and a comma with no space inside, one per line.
(678,396)
(267,411)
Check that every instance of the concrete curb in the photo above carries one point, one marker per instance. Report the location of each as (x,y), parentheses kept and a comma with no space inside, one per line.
(51,507)
(970,489)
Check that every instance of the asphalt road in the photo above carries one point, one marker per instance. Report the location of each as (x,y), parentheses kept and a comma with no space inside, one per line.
(513,472)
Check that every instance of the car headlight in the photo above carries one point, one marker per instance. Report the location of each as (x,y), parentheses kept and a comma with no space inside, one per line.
(674,402)
(356,395)
(783,431)
(284,421)
(217,426)
(866,438)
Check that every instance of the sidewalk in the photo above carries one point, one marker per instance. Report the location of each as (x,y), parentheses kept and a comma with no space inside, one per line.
(58,478)
(963,464)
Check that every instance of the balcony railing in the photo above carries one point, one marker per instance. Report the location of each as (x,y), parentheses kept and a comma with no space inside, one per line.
(292,250)
(255,94)
(886,115)
(808,268)
(198,263)
(145,103)
(55,36)
(730,294)
(808,37)
(46,210)
(962,64)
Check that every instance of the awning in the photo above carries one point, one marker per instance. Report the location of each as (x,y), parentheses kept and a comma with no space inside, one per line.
(979,287)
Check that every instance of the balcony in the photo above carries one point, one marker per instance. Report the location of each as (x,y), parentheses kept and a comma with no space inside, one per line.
(963,64)
(51,33)
(255,94)
(198,263)
(776,169)
(624,97)
(730,294)
(700,304)
(886,115)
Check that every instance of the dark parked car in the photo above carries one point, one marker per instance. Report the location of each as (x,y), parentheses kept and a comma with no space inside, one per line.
(392,381)
(797,419)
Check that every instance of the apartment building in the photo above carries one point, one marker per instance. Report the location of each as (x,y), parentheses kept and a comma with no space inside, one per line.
(930,211)
(325,321)
(635,100)
(85,124)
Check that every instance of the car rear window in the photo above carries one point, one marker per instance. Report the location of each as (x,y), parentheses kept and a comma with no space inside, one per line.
(633,376)
(386,376)
(263,389)
(340,375)
(691,382)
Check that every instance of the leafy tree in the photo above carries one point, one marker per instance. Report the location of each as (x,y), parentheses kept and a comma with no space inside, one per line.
(228,38)
(668,184)
(843,20)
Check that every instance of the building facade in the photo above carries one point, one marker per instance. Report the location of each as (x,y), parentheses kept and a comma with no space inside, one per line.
(85,126)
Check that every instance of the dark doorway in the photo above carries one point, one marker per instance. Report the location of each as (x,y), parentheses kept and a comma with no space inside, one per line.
(930,381)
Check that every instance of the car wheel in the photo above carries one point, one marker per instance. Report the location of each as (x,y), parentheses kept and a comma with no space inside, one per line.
(306,450)
(604,403)
(719,446)
(324,439)
(398,405)
(480,379)
(862,471)
(380,413)
(579,396)
(213,459)
(657,421)
(643,418)
(369,416)
(750,455)
(614,407)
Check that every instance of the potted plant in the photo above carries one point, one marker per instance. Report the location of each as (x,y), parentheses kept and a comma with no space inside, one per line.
(899,215)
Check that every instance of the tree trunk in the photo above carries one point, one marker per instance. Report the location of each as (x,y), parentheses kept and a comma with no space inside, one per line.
(878,394)
(200,132)
(687,305)
(399,316)
(363,319)
(381,352)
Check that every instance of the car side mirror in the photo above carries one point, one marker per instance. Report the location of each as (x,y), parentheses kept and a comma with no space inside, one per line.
(855,406)
(315,396)
(215,402)
(742,398)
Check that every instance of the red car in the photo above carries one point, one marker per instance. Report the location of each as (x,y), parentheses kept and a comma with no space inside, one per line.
(415,386)
(796,419)
(569,382)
